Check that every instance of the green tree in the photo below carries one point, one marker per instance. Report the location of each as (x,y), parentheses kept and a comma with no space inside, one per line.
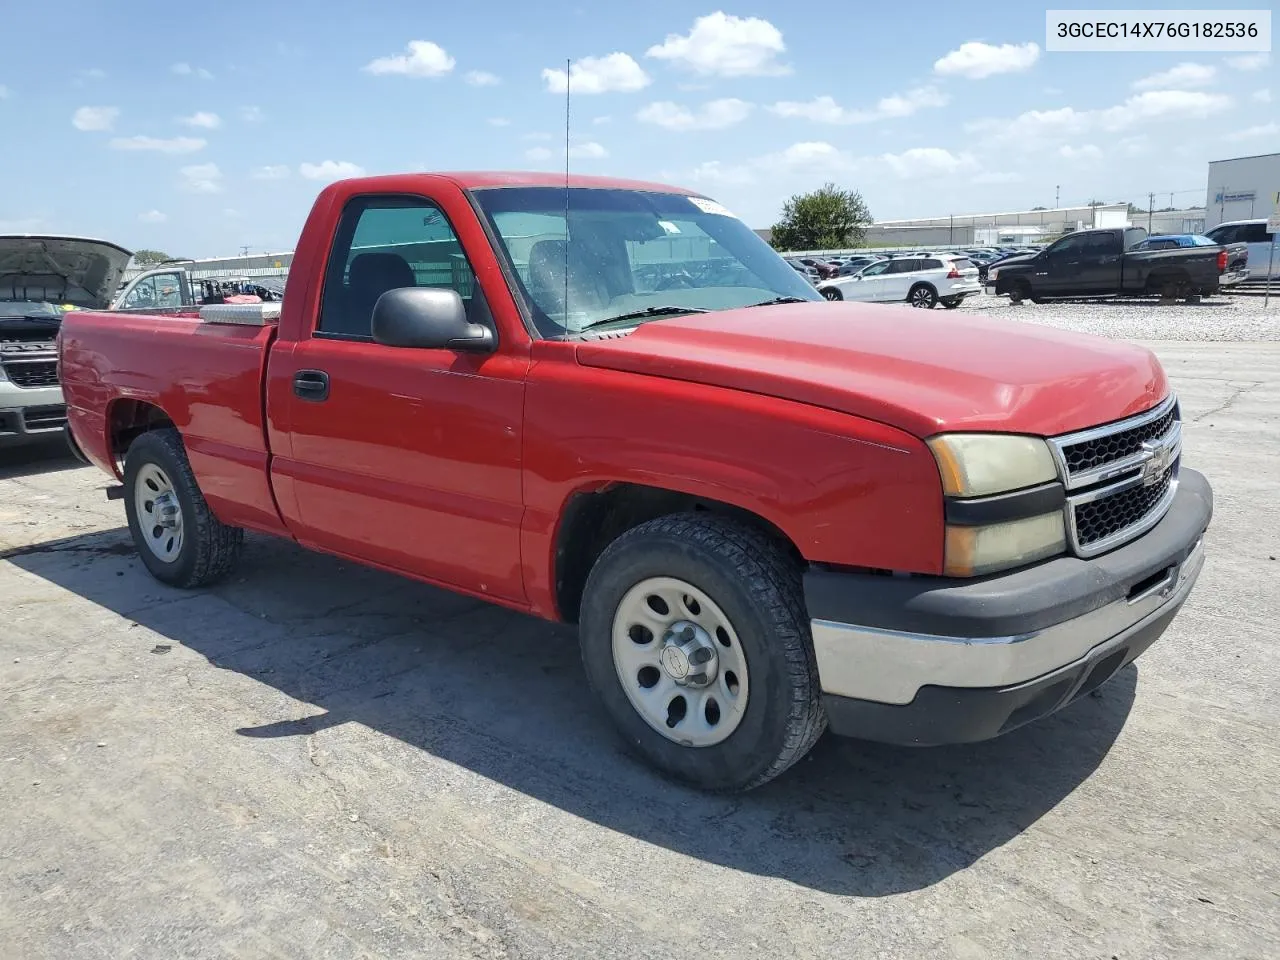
(150,256)
(824,219)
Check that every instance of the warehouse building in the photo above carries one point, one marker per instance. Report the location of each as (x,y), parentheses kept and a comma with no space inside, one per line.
(1243,188)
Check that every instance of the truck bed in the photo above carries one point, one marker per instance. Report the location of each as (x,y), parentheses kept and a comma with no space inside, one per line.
(206,376)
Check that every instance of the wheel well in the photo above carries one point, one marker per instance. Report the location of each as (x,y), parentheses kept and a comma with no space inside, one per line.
(128,419)
(921,284)
(593,520)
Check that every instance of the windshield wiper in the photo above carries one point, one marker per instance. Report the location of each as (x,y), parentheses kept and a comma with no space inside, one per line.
(51,321)
(646,313)
(770,303)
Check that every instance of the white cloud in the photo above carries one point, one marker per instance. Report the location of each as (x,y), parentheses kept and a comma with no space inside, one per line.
(1032,128)
(599,121)
(172,145)
(330,170)
(924,162)
(713,115)
(187,70)
(202,178)
(251,114)
(535,135)
(713,171)
(95,118)
(996,177)
(1261,96)
(153,216)
(1249,61)
(811,152)
(976,60)
(1086,154)
(616,72)
(1251,133)
(726,46)
(1184,76)
(202,119)
(421,58)
(499,122)
(538,154)
(270,172)
(824,109)
(588,150)
(482,78)
(232,214)
(5,92)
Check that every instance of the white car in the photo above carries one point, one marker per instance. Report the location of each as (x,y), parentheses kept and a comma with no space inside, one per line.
(1254,233)
(922,281)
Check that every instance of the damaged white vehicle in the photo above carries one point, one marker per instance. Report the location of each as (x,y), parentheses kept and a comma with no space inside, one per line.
(41,278)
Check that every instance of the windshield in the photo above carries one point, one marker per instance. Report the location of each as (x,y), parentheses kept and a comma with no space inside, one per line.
(630,251)
(11,309)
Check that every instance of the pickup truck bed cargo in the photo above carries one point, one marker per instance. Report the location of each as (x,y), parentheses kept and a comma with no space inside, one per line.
(766,513)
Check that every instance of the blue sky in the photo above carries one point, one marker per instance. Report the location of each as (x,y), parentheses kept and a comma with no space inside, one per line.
(203,129)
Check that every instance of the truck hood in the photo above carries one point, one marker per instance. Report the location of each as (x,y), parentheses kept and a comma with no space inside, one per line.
(62,270)
(922,371)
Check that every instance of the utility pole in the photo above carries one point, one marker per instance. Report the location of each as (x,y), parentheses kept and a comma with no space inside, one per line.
(244,250)
(1151,206)
(1057,192)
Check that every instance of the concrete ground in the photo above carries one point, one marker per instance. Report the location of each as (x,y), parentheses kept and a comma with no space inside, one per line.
(315,760)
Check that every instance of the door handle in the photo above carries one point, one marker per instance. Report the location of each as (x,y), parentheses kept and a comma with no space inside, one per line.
(311,385)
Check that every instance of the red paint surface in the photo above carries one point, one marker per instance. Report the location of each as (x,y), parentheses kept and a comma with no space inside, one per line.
(456,468)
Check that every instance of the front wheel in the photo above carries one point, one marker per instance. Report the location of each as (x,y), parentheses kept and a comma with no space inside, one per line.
(923,296)
(177,536)
(1019,291)
(832,293)
(694,637)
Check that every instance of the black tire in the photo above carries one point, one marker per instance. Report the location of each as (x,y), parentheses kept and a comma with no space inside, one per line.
(951,302)
(832,293)
(759,588)
(922,296)
(209,547)
(1019,290)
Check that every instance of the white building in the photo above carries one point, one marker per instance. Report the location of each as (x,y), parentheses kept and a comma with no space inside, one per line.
(1243,188)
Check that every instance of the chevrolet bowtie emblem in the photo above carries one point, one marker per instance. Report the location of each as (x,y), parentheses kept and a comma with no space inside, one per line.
(1159,459)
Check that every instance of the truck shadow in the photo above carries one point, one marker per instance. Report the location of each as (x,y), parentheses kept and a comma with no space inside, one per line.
(43,456)
(503,695)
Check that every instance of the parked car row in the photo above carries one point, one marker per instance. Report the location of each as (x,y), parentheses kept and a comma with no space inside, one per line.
(922,280)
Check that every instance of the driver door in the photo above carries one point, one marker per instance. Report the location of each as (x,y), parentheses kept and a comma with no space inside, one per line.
(869,285)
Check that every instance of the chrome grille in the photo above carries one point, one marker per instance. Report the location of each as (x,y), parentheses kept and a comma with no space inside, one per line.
(31,372)
(1120,477)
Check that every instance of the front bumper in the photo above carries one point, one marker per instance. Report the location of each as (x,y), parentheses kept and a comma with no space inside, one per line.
(28,414)
(932,660)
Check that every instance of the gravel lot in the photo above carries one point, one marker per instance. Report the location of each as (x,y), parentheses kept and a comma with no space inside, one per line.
(1237,317)
(319,761)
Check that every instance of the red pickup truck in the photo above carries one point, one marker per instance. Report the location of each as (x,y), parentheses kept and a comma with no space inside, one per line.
(610,403)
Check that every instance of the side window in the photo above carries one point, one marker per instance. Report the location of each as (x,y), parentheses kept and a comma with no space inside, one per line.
(1253,233)
(1070,246)
(143,294)
(168,287)
(1104,243)
(385,243)
(1223,235)
(930,265)
(876,269)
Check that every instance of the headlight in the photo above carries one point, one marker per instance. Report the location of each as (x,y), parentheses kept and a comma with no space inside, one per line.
(974,466)
(980,464)
(973,551)
(991,274)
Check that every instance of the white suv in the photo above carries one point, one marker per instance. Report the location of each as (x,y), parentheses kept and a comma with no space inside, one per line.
(922,280)
(1254,233)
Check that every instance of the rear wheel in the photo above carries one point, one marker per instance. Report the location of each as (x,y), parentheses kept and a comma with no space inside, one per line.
(952,302)
(833,293)
(177,536)
(695,638)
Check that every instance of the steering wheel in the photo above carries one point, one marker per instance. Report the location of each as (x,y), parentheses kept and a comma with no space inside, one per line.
(681,278)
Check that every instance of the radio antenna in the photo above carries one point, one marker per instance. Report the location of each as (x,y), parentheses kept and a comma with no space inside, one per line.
(568,73)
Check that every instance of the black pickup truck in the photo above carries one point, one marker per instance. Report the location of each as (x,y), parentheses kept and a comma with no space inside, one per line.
(1096,263)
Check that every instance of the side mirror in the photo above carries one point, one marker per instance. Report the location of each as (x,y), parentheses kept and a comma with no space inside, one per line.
(431,318)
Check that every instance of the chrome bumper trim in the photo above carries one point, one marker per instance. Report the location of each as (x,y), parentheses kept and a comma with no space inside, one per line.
(889,666)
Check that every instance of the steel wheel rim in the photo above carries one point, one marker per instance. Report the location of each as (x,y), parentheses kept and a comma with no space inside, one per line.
(159,514)
(707,705)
